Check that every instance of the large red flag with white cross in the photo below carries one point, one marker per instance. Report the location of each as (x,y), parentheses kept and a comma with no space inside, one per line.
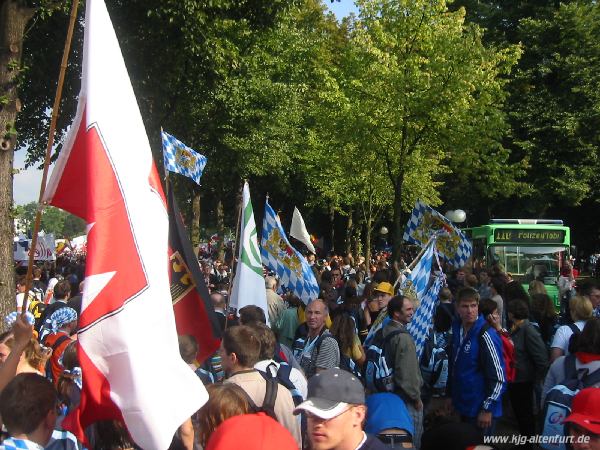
(105,174)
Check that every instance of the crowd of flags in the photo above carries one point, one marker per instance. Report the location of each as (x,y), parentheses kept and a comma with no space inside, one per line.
(105,171)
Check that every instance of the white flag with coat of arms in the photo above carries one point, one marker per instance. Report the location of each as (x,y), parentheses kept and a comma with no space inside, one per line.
(249,283)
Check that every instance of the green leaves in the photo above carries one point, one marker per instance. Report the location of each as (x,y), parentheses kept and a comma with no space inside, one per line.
(556,103)
(54,220)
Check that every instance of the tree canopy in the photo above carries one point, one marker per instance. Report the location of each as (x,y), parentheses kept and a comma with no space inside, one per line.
(479,105)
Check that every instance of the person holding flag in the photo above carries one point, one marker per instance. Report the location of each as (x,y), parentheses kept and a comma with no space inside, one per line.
(105,175)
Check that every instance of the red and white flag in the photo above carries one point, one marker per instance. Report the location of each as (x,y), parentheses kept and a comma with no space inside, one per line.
(105,174)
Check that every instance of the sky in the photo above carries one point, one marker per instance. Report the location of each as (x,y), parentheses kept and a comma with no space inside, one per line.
(26,184)
(341,8)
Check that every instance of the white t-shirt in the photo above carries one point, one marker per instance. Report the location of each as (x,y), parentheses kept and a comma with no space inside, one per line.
(20,297)
(563,334)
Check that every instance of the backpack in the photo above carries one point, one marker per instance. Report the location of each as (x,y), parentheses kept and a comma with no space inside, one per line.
(348,364)
(283,377)
(508,354)
(268,406)
(54,346)
(572,348)
(434,362)
(557,404)
(38,292)
(379,370)
(211,371)
(36,307)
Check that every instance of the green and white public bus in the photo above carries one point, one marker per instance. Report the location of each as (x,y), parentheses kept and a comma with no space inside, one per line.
(527,248)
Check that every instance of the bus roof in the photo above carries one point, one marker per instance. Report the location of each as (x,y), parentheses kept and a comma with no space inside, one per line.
(528,221)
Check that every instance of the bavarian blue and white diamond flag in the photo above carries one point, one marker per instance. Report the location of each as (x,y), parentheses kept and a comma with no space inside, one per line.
(283,259)
(413,286)
(422,320)
(452,244)
(181,159)
(249,283)
(417,281)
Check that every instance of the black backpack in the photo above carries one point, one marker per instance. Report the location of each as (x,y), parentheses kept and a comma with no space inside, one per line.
(268,406)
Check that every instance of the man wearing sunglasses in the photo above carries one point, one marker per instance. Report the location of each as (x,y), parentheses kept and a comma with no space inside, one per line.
(335,412)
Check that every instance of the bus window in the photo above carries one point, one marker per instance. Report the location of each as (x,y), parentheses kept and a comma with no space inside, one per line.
(531,263)
(479,249)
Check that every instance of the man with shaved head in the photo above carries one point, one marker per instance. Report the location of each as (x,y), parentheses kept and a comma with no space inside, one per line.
(318,350)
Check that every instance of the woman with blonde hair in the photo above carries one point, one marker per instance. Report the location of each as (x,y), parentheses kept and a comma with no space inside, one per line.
(581,310)
(34,357)
(224,401)
(537,287)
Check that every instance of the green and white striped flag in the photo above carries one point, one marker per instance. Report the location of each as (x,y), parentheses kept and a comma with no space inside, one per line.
(249,283)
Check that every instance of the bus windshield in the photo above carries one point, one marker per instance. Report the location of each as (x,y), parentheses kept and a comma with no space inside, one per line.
(529,263)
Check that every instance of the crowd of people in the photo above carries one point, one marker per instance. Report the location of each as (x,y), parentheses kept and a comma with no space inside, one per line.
(342,372)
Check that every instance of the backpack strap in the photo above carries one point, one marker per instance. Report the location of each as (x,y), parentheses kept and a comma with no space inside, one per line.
(574,328)
(59,341)
(285,370)
(320,340)
(388,338)
(255,409)
(591,379)
(270,396)
(570,367)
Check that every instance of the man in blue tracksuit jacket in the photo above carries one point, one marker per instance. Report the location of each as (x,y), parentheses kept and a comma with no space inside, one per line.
(477,377)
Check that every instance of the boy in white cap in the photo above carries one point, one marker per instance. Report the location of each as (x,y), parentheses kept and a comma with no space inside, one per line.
(335,412)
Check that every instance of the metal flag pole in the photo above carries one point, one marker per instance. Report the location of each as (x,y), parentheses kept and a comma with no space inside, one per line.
(54,118)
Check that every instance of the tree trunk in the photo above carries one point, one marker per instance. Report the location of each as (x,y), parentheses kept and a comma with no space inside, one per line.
(349,230)
(13,19)
(368,230)
(357,248)
(220,229)
(195,217)
(332,227)
(397,224)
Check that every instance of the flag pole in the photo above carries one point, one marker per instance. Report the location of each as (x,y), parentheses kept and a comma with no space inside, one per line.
(234,250)
(55,109)
(414,261)
(164,167)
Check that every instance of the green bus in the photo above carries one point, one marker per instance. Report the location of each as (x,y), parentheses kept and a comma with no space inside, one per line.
(528,249)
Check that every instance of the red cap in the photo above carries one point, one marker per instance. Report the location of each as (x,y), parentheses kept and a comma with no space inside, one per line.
(256,431)
(585,411)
